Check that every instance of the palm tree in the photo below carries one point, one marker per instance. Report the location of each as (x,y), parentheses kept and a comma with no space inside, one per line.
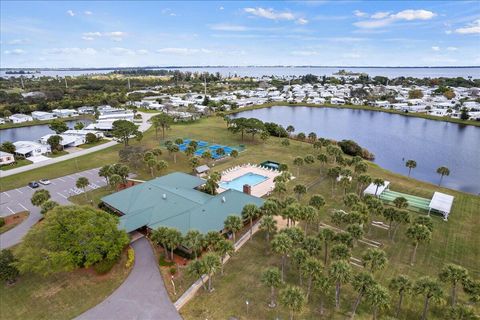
(317,201)
(299,190)
(105,172)
(378,297)
(340,251)
(173,149)
(361,282)
(290,129)
(356,231)
(233,224)
(159,236)
(82,183)
(250,212)
(400,203)
(194,241)
(173,240)
(309,215)
(196,268)
(462,312)
(270,206)
(312,136)
(161,165)
(360,168)
(211,240)
(401,285)
(418,234)
(39,197)
(410,164)
(309,159)
(390,214)
(151,163)
(212,263)
(339,273)
(269,226)
(322,284)
(194,162)
(310,269)
(378,183)
(282,244)
(362,181)
(374,259)
(114,180)
(327,236)
(207,156)
(333,174)
(292,298)
(280,188)
(298,161)
(224,248)
(298,257)
(163,121)
(443,171)
(323,159)
(272,278)
(453,274)
(430,289)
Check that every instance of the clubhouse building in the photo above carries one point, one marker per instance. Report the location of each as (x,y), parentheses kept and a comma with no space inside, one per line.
(175,201)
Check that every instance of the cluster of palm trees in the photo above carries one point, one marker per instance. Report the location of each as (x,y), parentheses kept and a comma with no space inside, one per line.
(41,198)
(114,174)
(152,161)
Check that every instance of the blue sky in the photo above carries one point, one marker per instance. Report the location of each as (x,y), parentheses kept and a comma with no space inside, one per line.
(141,33)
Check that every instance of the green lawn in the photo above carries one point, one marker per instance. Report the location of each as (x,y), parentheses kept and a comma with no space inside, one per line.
(17,164)
(59,296)
(90,145)
(58,154)
(93,195)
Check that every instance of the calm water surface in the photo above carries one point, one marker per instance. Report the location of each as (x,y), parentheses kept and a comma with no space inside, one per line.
(33,133)
(393,139)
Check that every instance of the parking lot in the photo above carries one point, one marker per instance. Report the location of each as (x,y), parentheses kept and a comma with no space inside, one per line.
(17,200)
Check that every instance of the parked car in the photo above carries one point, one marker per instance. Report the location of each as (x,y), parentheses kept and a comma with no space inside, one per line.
(44,181)
(33,184)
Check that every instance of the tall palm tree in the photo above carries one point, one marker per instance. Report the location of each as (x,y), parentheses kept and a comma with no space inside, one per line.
(272,278)
(82,183)
(280,188)
(356,231)
(173,149)
(310,269)
(270,207)
(401,285)
(233,224)
(173,240)
(290,129)
(323,285)
(340,273)
(159,236)
(224,248)
(333,174)
(390,214)
(194,241)
(282,244)
(250,212)
(309,215)
(39,197)
(362,181)
(312,136)
(378,183)
(442,171)
(462,312)
(196,268)
(418,234)
(374,259)
(317,201)
(410,164)
(430,289)
(151,164)
(293,299)
(298,257)
(269,226)
(323,159)
(300,190)
(400,203)
(212,263)
(453,274)
(105,172)
(298,162)
(161,165)
(361,282)
(378,297)
(211,240)
(326,235)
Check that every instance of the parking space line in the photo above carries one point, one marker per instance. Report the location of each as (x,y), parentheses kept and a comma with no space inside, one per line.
(61,179)
(61,195)
(21,205)
(11,210)
(19,191)
(90,173)
(6,194)
(70,177)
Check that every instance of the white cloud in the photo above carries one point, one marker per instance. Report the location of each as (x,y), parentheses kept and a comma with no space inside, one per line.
(382,19)
(302,21)
(114,35)
(15,52)
(270,14)
(228,27)
(143,51)
(452,48)
(18,41)
(168,11)
(305,53)
(121,51)
(87,38)
(88,13)
(359,13)
(380,15)
(71,51)
(351,55)
(221,8)
(471,28)
(435,48)
(70,13)
(183,51)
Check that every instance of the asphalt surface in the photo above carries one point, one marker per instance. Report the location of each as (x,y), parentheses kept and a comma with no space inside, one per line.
(142,296)
(17,200)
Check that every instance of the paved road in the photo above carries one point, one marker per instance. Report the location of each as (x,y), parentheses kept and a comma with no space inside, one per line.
(142,296)
(16,200)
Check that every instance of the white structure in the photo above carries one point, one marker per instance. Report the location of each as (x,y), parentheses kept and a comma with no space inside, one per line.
(372,188)
(442,203)
(41,115)
(65,113)
(67,140)
(31,148)
(83,133)
(6,158)
(86,110)
(125,115)
(20,118)
(104,125)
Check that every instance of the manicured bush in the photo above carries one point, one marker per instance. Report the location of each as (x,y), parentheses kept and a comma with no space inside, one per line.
(164,263)
(130,258)
(104,266)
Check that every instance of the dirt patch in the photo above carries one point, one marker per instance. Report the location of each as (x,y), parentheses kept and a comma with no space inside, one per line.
(13,220)
(281,223)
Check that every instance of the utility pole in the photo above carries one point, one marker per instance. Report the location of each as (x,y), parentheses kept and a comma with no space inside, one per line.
(66,85)
(205,85)
(21,79)
(128,83)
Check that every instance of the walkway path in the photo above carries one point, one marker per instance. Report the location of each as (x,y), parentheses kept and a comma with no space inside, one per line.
(141,296)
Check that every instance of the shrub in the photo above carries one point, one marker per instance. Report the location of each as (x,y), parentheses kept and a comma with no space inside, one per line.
(173,271)
(130,258)
(8,271)
(164,263)
(2,222)
(104,266)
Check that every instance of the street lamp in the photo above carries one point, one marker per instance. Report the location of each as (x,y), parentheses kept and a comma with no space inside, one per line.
(247,303)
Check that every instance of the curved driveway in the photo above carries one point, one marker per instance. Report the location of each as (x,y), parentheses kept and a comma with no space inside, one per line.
(142,296)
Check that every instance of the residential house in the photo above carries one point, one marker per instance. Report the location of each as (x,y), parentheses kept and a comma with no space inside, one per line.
(41,115)
(65,113)
(31,148)
(20,118)
(6,158)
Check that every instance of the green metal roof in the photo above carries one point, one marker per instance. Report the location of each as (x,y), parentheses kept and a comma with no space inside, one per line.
(172,201)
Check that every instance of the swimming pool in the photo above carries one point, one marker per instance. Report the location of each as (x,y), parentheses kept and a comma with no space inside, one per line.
(250,178)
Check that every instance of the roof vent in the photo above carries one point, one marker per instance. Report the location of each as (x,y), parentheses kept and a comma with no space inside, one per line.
(223,199)
(164,196)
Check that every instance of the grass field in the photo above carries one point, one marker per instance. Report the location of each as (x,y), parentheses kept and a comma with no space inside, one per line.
(59,296)
(17,164)
(457,240)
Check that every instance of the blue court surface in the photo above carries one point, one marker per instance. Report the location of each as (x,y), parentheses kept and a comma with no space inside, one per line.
(203,146)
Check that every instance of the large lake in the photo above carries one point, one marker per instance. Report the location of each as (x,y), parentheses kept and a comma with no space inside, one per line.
(393,139)
(33,133)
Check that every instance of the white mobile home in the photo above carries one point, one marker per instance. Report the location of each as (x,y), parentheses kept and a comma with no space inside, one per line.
(20,118)
(65,113)
(31,148)
(41,115)
(6,158)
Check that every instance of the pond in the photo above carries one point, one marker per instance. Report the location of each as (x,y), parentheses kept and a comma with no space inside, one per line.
(33,133)
(393,139)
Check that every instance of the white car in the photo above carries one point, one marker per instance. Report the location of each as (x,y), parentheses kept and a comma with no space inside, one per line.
(44,181)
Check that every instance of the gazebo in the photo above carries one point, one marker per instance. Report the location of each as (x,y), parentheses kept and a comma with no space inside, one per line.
(441,203)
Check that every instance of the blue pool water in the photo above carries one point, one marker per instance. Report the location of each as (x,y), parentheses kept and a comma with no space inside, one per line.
(251,179)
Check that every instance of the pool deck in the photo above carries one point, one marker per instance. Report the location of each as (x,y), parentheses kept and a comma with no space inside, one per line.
(258,190)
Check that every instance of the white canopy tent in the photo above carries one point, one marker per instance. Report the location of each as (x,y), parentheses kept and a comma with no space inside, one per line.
(372,188)
(442,203)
